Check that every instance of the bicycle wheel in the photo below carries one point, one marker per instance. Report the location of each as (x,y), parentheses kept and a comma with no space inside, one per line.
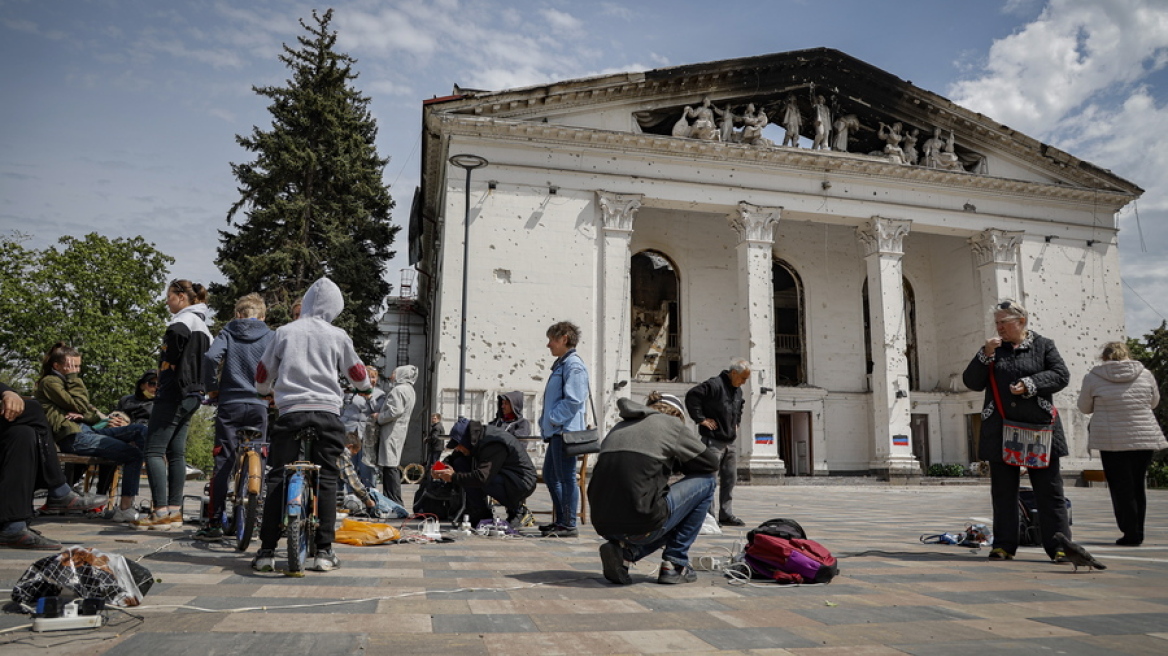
(298,525)
(247,513)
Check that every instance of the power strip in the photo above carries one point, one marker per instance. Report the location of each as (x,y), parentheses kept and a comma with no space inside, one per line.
(63,623)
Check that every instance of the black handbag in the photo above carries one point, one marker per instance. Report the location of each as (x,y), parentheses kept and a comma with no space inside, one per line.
(583,442)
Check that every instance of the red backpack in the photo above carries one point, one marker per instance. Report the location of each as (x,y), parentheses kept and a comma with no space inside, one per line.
(793,560)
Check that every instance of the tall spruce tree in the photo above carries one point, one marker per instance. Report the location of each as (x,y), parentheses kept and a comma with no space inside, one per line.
(314,199)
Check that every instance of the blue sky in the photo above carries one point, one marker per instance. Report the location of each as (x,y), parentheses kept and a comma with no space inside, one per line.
(120,116)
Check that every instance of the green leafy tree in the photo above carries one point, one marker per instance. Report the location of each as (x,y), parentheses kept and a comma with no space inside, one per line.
(314,199)
(98,294)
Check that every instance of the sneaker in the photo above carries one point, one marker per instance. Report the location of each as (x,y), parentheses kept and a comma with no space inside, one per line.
(1001,554)
(326,561)
(125,516)
(544,528)
(28,538)
(1125,541)
(731,521)
(612,559)
(264,561)
(209,533)
(74,503)
(562,532)
(176,519)
(1060,557)
(154,522)
(672,573)
(521,519)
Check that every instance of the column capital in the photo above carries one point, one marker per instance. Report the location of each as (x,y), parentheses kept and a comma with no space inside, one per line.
(994,246)
(883,236)
(617,210)
(754,223)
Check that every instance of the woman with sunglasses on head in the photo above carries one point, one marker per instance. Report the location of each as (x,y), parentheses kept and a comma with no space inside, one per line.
(1023,370)
(180,392)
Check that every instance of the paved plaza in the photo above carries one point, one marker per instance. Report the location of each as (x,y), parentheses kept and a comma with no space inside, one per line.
(538,596)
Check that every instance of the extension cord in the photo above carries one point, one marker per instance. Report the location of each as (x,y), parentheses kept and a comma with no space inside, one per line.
(63,623)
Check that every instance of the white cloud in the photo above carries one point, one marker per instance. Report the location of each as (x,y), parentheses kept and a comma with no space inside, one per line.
(1079,77)
(561,21)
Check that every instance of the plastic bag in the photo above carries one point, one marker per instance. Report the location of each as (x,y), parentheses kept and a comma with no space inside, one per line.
(710,526)
(363,534)
(88,574)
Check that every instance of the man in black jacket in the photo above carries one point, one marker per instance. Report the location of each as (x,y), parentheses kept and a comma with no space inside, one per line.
(633,505)
(489,461)
(716,407)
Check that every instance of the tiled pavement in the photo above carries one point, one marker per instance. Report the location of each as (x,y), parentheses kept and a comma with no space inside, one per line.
(546,596)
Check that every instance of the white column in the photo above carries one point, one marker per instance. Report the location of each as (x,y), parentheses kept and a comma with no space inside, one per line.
(616,214)
(883,241)
(756,234)
(996,255)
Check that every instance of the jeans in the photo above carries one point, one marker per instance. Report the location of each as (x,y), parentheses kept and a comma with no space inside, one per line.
(284,448)
(689,501)
(122,444)
(559,474)
(1048,492)
(166,449)
(228,419)
(1126,473)
(727,475)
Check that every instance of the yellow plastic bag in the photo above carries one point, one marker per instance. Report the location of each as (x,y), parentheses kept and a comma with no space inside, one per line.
(363,534)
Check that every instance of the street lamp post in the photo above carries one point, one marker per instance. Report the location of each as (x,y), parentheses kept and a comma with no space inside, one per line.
(469,163)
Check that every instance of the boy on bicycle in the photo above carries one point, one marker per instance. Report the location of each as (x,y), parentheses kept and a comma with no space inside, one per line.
(229,380)
(300,368)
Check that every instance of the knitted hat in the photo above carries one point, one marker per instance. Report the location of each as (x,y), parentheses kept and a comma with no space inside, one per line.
(673,401)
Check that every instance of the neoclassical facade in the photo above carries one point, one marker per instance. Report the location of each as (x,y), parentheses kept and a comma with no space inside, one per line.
(854,266)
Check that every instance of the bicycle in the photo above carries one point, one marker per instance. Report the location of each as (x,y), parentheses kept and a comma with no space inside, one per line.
(301,491)
(245,494)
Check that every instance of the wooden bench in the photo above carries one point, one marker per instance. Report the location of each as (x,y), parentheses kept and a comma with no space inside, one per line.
(91,464)
(1090,476)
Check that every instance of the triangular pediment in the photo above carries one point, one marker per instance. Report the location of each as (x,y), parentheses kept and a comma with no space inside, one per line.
(655,103)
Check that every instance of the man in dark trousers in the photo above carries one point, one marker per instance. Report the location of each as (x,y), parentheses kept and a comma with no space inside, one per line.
(716,407)
(489,461)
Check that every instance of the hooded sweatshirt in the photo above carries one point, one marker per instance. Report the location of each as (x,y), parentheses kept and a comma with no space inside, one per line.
(229,365)
(1121,394)
(302,362)
(393,418)
(180,366)
(518,424)
(628,487)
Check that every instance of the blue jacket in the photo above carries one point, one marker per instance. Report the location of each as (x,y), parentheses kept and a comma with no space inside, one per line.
(565,398)
(229,365)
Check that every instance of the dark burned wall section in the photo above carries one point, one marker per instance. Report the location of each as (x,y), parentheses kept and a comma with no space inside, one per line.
(655,317)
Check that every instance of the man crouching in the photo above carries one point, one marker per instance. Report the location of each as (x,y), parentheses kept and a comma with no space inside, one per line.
(633,505)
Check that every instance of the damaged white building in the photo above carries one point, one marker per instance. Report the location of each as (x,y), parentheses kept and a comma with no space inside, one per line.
(854,266)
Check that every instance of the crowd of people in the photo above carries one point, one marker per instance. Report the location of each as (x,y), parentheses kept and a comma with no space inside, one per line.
(653,483)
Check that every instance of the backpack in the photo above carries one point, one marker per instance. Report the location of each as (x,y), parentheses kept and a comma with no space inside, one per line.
(780,528)
(783,560)
(446,501)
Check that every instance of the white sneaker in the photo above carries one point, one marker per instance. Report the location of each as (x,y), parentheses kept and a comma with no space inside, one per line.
(326,561)
(126,516)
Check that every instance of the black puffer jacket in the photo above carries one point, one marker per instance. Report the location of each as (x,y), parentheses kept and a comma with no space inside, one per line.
(1036,361)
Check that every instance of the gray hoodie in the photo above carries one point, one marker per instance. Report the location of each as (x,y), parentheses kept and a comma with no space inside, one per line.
(303,360)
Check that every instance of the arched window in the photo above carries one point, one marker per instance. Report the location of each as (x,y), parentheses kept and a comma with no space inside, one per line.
(656,318)
(789,368)
(910,336)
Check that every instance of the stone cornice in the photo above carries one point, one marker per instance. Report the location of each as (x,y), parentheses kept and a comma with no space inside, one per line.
(881,236)
(618,210)
(755,224)
(995,246)
(797,158)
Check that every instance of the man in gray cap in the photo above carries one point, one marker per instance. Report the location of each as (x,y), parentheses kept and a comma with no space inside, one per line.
(633,505)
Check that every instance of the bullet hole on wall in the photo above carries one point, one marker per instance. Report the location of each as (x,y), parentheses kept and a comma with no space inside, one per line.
(502,275)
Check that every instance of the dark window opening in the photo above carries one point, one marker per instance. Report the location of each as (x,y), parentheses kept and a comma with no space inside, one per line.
(789,367)
(656,318)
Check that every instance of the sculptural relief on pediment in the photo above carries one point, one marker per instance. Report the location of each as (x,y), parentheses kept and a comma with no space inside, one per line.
(817,120)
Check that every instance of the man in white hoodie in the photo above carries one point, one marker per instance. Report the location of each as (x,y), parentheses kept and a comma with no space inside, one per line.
(300,368)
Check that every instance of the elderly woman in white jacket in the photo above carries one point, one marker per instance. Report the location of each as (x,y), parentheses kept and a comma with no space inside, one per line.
(1122,394)
(393,420)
